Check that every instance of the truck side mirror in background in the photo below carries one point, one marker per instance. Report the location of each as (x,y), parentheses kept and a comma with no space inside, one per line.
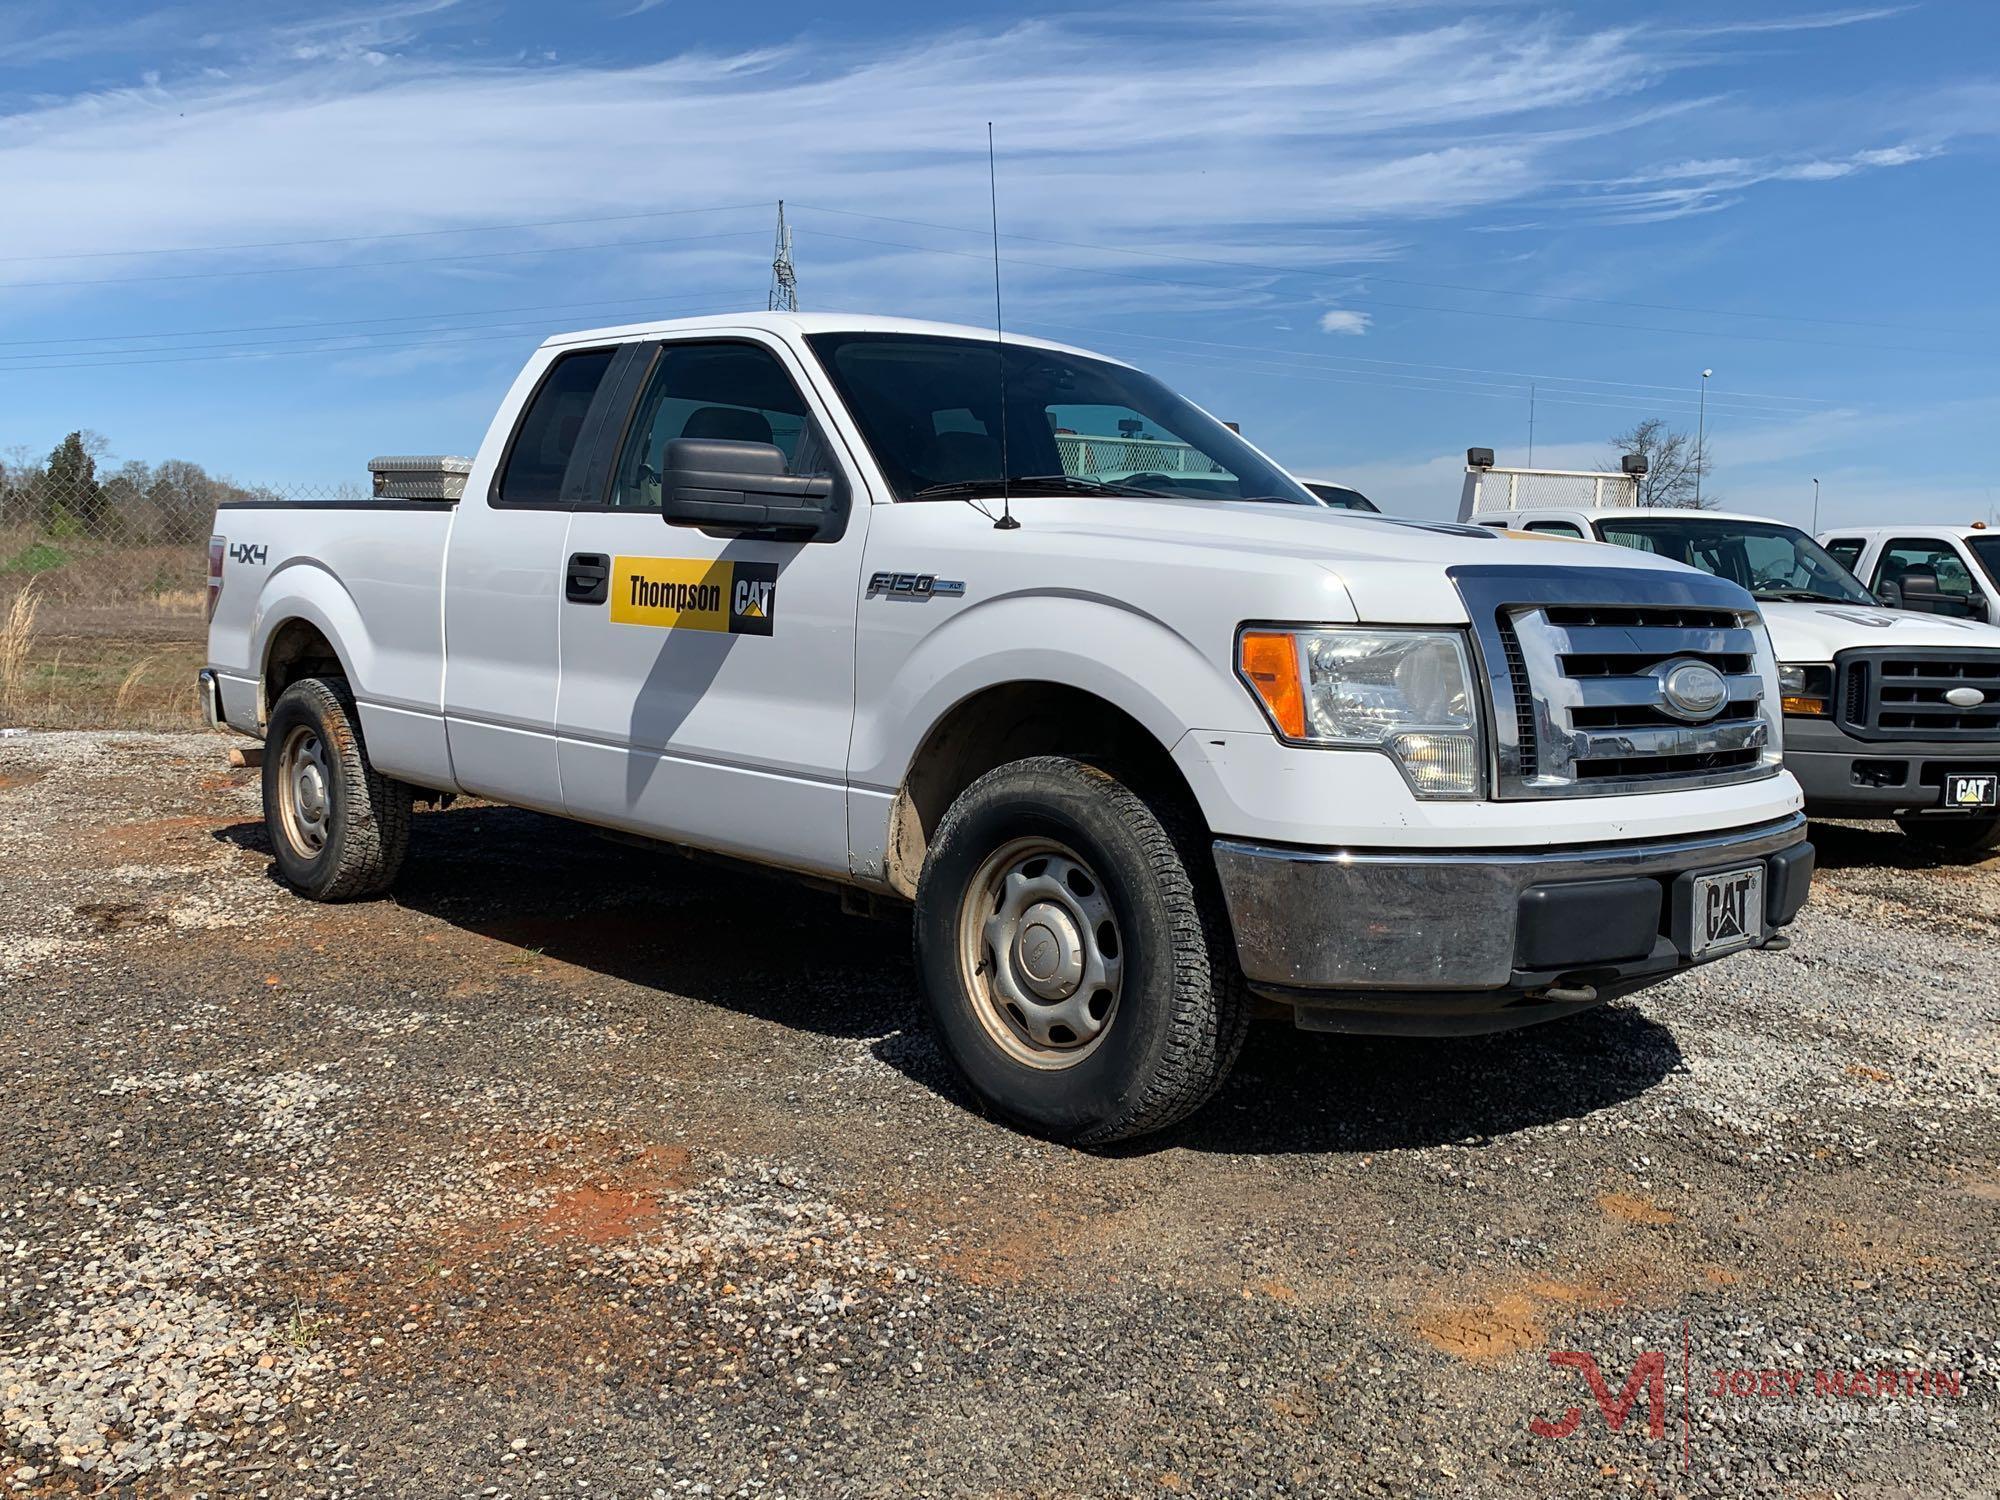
(1921,593)
(1889,594)
(743,488)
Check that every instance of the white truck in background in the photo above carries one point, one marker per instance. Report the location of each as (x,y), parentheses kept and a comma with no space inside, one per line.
(810,591)
(1932,569)
(1891,700)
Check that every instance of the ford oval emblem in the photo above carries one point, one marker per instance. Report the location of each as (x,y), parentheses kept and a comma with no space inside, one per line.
(1964,697)
(1692,690)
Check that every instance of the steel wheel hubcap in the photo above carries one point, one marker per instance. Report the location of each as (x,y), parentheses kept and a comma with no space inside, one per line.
(303,787)
(1041,953)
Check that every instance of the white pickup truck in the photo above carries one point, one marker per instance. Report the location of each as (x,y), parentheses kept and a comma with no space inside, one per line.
(1890,712)
(828,594)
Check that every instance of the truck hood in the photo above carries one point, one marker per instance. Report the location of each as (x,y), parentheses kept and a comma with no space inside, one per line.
(1391,568)
(1814,632)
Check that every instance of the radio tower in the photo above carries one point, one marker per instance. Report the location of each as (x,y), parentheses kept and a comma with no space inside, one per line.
(784,281)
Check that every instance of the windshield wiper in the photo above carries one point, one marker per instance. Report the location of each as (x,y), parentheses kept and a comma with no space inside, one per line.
(1034,484)
(1799,596)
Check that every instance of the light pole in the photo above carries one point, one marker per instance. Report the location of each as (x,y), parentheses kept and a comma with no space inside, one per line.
(1815,507)
(1701,439)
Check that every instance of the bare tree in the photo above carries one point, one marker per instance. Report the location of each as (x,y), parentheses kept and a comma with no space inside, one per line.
(1673,459)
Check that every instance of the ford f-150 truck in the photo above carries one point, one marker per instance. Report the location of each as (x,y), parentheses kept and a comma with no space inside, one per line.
(1889,712)
(846,596)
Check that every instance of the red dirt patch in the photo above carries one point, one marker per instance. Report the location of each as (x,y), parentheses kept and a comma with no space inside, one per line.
(1628,1208)
(608,1208)
(19,779)
(155,835)
(1483,1332)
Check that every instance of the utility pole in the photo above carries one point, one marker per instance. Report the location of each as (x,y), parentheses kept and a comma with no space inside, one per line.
(1701,439)
(784,281)
(1531,425)
(1815,507)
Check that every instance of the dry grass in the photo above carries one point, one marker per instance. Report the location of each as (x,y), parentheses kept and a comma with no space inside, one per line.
(17,635)
(122,703)
(100,637)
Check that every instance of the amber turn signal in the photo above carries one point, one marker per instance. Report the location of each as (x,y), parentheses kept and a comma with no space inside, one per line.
(1270,662)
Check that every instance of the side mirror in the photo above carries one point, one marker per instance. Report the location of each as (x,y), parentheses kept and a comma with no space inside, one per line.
(1922,594)
(743,489)
(1889,594)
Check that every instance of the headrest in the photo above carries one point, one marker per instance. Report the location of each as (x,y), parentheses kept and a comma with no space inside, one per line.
(953,457)
(731,422)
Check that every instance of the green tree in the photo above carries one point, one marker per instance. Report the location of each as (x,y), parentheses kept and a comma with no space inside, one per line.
(72,499)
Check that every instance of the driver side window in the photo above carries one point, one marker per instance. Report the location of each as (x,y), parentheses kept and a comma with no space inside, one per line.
(728,390)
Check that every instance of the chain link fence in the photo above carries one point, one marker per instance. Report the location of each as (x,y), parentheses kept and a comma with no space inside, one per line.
(103,579)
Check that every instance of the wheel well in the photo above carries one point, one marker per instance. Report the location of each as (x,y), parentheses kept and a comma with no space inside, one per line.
(1010,722)
(298,649)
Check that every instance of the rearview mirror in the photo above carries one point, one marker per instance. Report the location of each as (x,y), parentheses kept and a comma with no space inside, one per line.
(742,489)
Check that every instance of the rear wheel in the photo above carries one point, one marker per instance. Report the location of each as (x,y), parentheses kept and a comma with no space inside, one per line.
(1076,965)
(339,828)
(1960,835)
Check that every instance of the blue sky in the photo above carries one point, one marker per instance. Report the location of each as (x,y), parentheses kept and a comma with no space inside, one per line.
(1363,230)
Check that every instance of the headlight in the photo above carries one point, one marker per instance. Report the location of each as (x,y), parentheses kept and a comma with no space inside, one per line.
(1407,693)
(1805,692)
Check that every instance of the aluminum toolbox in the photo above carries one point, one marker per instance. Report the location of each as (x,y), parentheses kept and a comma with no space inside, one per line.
(419,476)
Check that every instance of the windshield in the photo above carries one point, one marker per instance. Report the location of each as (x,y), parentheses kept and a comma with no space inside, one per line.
(1770,560)
(1987,550)
(929,408)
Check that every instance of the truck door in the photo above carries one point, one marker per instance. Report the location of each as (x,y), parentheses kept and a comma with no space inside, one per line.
(707,691)
(503,580)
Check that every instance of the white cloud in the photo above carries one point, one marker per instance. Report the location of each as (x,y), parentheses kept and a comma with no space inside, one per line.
(1343,320)
(1291,131)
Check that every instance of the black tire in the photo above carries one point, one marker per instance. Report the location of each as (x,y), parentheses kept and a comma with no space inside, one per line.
(1958,835)
(363,818)
(1180,1010)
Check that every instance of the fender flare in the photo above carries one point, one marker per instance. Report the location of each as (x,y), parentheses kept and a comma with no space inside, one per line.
(302,589)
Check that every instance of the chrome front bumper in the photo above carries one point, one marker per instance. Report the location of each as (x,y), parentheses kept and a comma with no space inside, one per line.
(1502,922)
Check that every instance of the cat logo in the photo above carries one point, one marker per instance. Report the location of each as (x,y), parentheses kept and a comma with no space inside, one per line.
(687,593)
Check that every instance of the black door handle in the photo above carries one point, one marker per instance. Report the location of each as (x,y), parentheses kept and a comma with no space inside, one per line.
(589,580)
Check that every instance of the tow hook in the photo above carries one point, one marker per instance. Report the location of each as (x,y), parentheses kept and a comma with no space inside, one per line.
(1571,994)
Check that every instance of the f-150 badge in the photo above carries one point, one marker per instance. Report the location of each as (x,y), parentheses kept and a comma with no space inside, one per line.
(688,593)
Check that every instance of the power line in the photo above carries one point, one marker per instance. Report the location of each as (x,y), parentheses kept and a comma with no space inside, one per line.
(1466,312)
(398,341)
(361,239)
(1321,272)
(1747,397)
(80,354)
(450,312)
(364,265)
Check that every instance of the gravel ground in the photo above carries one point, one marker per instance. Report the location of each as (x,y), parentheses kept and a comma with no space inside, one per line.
(579,1170)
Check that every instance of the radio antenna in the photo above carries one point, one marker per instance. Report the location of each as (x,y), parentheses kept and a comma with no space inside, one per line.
(1006,521)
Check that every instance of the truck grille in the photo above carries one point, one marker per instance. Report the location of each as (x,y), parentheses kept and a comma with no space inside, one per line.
(1906,694)
(1578,681)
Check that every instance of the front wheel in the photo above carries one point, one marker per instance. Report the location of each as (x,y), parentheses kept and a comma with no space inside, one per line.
(1075,963)
(339,828)
(1959,835)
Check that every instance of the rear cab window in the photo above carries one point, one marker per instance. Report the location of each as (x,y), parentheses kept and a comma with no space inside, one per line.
(546,442)
(1847,550)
